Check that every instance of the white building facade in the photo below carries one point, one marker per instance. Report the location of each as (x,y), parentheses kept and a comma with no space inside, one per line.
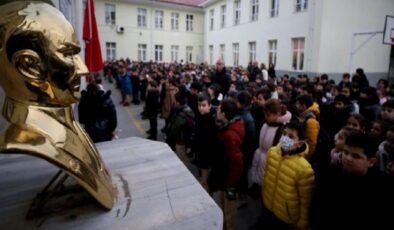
(150,30)
(300,36)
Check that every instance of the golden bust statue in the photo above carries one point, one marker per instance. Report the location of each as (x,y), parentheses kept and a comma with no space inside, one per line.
(40,75)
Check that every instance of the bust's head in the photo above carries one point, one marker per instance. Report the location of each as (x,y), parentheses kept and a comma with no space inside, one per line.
(38,54)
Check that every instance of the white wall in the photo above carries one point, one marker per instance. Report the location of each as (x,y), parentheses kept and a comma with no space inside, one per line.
(341,20)
(327,26)
(282,28)
(127,43)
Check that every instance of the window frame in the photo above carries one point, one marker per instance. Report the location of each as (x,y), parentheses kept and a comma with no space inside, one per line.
(211,19)
(274,12)
(189,22)
(159,53)
(142,51)
(174,53)
(222,51)
(301,5)
(252,51)
(272,51)
(237,12)
(210,52)
(159,19)
(141,17)
(254,10)
(223,12)
(110,16)
(235,54)
(189,53)
(300,53)
(110,50)
(174,21)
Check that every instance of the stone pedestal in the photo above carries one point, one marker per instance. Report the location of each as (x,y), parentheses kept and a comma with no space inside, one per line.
(155,191)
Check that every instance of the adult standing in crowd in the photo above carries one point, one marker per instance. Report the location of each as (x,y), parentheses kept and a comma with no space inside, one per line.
(254,72)
(125,82)
(97,113)
(221,77)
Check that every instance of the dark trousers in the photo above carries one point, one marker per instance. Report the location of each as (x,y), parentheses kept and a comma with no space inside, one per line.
(271,222)
(153,127)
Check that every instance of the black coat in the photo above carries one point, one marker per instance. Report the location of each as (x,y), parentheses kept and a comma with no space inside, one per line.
(342,201)
(205,140)
(152,103)
(98,114)
(223,79)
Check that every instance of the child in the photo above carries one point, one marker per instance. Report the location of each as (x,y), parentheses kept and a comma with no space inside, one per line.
(262,95)
(151,108)
(377,133)
(340,138)
(356,121)
(349,196)
(385,149)
(227,163)
(205,137)
(181,127)
(269,136)
(387,113)
(288,181)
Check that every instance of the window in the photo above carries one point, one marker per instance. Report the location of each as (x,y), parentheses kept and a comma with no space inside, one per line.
(254,10)
(158,53)
(159,19)
(174,21)
(211,54)
(298,53)
(141,17)
(189,53)
(301,5)
(189,22)
(235,54)
(110,50)
(252,51)
(237,12)
(110,14)
(141,52)
(223,16)
(222,51)
(174,53)
(272,46)
(211,19)
(274,8)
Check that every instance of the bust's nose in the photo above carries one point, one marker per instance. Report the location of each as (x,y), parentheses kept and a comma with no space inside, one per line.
(81,68)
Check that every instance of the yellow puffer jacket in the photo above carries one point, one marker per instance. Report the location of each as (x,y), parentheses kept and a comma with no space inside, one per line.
(312,128)
(287,186)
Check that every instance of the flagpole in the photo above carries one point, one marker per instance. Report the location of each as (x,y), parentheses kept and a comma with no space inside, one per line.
(90,31)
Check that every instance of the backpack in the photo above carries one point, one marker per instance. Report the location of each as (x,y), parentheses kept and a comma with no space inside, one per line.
(188,128)
(321,157)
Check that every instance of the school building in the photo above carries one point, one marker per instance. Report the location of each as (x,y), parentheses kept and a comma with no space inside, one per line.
(297,36)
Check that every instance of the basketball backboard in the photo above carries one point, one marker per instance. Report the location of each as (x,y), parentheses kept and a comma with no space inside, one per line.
(388,35)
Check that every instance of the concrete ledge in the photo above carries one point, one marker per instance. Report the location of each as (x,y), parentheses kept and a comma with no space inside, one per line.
(155,191)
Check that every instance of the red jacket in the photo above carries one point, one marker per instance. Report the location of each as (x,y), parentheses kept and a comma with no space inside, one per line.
(231,137)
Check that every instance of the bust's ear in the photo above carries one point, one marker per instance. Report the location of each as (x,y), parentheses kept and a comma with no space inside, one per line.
(28,63)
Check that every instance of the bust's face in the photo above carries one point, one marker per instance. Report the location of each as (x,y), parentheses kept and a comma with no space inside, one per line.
(48,71)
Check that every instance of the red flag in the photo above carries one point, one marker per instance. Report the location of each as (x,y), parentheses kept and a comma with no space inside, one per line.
(93,58)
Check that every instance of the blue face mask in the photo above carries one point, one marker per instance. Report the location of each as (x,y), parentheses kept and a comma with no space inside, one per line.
(287,144)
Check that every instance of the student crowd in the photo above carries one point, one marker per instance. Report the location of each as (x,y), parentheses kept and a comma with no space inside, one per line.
(316,154)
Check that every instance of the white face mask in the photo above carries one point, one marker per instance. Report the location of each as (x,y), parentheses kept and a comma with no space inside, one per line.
(287,144)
